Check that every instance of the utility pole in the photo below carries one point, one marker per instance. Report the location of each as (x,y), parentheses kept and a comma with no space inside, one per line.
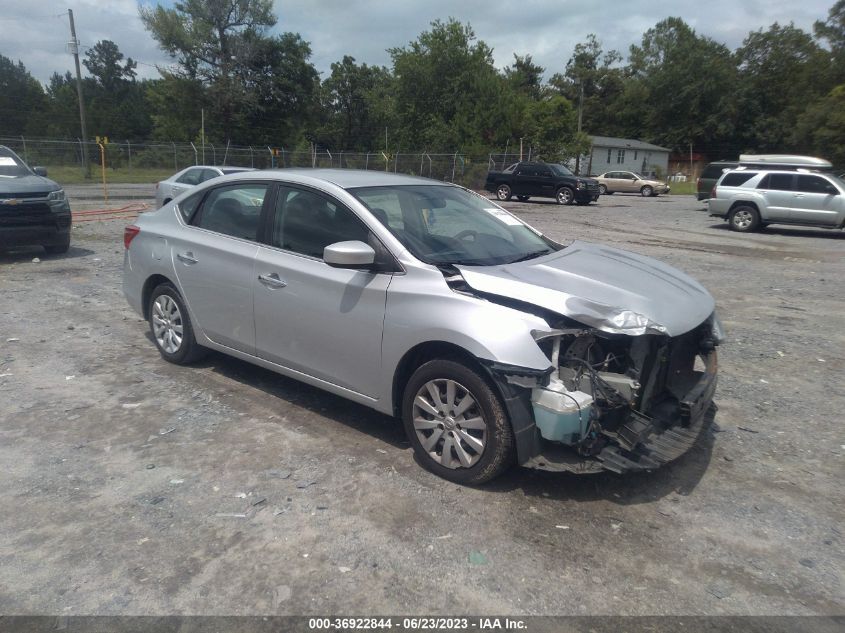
(74,50)
(202,135)
(580,113)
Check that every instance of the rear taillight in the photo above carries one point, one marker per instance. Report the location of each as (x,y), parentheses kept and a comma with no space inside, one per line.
(129,234)
(697,185)
(713,192)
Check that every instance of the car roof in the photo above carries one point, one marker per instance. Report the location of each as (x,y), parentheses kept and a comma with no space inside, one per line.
(345,178)
(221,167)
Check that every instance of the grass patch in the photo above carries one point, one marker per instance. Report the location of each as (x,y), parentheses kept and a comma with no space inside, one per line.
(687,188)
(76,176)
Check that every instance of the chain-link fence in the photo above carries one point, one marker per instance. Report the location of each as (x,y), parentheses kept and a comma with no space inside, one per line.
(128,161)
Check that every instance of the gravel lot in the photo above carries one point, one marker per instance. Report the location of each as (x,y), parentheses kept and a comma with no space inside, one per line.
(131,486)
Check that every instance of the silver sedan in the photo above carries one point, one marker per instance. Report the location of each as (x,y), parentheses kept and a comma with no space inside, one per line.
(189,177)
(492,343)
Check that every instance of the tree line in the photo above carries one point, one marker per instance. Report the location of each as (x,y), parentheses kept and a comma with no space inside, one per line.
(782,90)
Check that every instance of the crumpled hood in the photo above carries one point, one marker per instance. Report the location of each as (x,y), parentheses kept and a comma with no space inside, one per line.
(607,288)
(25,184)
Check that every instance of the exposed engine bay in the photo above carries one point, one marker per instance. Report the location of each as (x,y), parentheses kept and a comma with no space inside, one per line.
(631,402)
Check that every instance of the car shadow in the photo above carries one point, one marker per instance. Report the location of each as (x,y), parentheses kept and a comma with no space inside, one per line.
(27,253)
(831,234)
(679,477)
(356,416)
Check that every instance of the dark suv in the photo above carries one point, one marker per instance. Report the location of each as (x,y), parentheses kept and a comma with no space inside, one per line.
(33,209)
(710,175)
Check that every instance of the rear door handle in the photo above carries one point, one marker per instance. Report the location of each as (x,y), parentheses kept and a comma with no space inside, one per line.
(187,258)
(272,280)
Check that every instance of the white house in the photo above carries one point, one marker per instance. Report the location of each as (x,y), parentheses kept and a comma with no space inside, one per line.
(615,154)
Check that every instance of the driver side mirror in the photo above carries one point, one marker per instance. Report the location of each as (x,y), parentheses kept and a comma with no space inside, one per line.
(353,254)
(830,189)
(40,171)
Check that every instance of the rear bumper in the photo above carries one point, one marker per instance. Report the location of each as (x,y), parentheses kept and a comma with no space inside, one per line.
(718,208)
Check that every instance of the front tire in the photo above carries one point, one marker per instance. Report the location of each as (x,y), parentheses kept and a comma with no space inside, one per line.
(647,191)
(522,198)
(744,219)
(565,196)
(503,192)
(456,424)
(603,189)
(171,326)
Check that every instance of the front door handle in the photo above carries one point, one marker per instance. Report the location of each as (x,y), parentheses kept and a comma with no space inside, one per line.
(272,280)
(187,258)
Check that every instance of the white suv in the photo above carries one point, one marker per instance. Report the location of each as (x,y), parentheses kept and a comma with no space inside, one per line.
(750,199)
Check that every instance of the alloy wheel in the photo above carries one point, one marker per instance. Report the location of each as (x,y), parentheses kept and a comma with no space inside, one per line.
(167,324)
(449,423)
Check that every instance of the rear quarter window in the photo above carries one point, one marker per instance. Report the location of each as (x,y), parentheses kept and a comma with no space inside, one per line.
(189,205)
(737,179)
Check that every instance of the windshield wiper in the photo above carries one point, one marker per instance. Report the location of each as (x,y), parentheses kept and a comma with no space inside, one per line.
(530,255)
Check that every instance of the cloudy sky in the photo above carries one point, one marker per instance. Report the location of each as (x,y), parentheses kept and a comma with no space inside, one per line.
(36,31)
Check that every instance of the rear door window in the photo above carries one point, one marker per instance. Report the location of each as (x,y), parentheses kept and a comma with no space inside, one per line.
(777,182)
(234,210)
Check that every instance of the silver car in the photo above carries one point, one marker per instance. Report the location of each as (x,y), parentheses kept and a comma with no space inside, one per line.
(190,177)
(494,344)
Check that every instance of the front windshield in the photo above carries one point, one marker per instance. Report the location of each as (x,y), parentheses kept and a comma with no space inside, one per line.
(11,166)
(446,225)
(560,170)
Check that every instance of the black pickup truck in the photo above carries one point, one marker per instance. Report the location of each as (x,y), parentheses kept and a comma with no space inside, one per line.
(543,180)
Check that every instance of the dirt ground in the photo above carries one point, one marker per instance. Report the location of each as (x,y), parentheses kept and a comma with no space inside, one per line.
(132,486)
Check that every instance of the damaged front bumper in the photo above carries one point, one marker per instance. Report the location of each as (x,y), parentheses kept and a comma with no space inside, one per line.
(620,414)
(641,444)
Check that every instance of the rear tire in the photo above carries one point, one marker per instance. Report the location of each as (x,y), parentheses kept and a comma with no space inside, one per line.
(503,192)
(456,424)
(171,327)
(522,198)
(744,219)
